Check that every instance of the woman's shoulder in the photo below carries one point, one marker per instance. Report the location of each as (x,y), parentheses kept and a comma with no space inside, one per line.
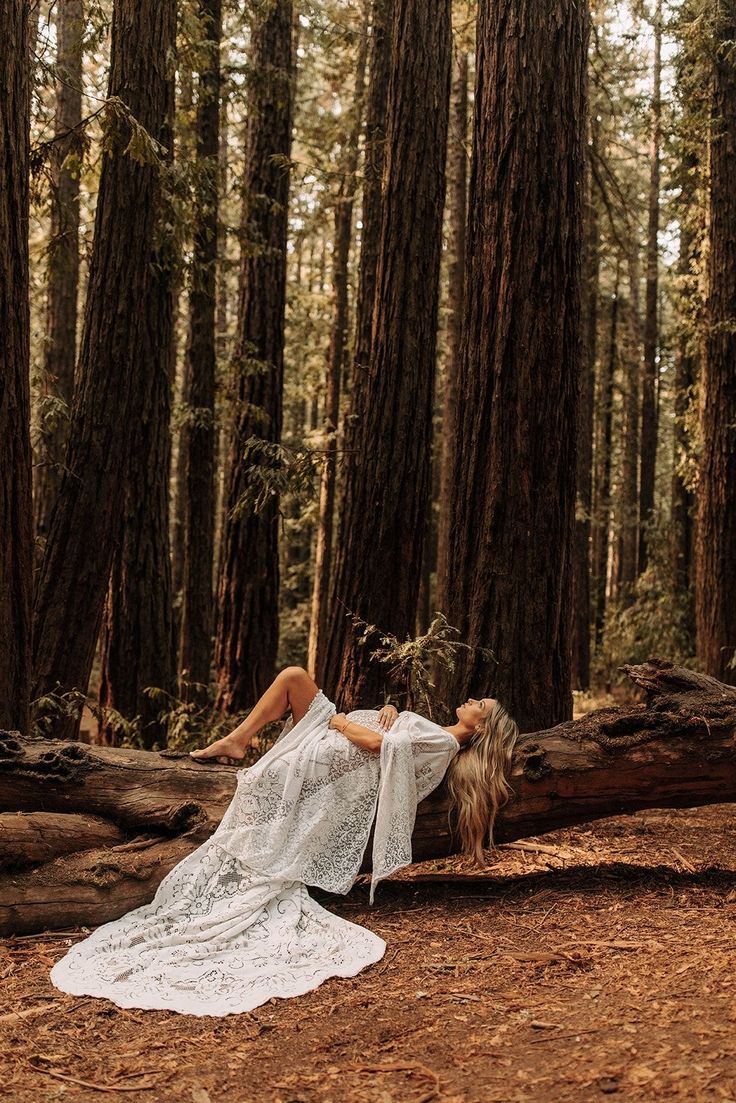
(422,725)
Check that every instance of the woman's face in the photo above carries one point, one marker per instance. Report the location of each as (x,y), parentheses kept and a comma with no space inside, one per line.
(474,711)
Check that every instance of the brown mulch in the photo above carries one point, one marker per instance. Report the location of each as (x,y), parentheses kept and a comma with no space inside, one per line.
(592,962)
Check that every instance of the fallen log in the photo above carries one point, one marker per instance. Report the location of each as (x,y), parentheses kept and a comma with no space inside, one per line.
(129,816)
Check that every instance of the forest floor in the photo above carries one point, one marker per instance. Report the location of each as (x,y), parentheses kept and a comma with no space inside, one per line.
(598,961)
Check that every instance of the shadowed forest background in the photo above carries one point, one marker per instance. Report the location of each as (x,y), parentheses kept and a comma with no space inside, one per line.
(349,328)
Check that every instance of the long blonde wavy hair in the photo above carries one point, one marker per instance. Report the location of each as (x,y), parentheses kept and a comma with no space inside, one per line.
(477,780)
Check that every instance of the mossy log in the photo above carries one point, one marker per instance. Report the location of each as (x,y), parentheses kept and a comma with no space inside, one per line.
(87,833)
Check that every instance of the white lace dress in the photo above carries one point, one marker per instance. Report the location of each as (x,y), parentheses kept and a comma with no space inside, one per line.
(233,924)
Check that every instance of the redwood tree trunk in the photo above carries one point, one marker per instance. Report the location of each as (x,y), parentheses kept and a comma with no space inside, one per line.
(124,354)
(195,643)
(628,504)
(601,531)
(649,365)
(387,464)
(715,595)
(584,480)
(458,202)
(508,582)
(248,626)
(333,378)
(63,256)
(683,500)
(16,507)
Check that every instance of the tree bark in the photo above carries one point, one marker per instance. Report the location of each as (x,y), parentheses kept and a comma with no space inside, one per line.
(508,581)
(628,505)
(197,609)
(682,533)
(387,466)
(248,590)
(457,170)
(16,506)
(604,407)
(124,355)
(63,260)
(651,327)
(333,377)
(584,474)
(715,592)
(64,807)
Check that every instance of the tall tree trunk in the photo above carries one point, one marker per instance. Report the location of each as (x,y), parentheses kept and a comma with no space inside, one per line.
(682,529)
(629,490)
(248,626)
(509,577)
(374,156)
(16,506)
(124,361)
(649,365)
(715,593)
(63,258)
(333,376)
(584,477)
(387,460)
(458,202)
(604,436)
(195,644)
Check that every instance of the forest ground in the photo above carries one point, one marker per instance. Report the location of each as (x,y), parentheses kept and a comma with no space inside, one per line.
(600,966)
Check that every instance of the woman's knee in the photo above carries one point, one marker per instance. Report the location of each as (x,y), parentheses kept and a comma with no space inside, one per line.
(294,675)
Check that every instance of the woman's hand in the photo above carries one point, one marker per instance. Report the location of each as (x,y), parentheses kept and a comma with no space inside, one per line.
(386,716)
(337,721)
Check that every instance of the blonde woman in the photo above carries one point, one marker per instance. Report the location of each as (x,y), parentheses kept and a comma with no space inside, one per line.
(233,924)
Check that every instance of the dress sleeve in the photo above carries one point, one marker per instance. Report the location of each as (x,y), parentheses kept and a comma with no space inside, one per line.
(415,754)
(433,750)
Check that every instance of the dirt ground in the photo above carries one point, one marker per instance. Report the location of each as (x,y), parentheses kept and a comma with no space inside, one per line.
(591,962)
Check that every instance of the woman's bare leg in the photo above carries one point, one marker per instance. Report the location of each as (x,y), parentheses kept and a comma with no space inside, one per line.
(292,688)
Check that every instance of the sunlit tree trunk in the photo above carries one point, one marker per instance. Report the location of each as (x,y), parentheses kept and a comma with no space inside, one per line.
(457,185)
(649,363)
(333,377)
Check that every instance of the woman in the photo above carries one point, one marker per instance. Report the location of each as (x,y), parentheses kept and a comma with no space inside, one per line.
(232,924)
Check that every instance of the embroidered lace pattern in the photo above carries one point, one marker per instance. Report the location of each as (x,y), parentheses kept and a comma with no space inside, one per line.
(233,924)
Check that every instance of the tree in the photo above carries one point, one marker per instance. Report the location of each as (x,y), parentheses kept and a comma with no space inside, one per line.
(195,642)
(507,584)
(16,534)
(386,479)
(333,375)
(458,203)
(247,600)
(651,326)
(124,357)
(63,255)
(715,588)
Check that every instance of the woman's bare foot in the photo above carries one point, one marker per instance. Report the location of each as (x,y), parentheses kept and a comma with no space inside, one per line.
(230,746)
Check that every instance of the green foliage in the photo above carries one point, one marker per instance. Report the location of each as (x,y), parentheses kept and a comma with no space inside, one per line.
(655,623)
(414,664)
(49,708)
(273,469)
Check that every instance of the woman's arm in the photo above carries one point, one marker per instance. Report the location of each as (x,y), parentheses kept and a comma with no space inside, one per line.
(356,733)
